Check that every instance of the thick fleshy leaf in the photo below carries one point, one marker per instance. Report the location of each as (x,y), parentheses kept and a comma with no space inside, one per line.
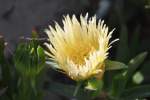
(134,43)
(29,59)
(41,58)
(138,78)
(120,81)
(134,64)
(40,52)
(5,67)
(123,47)
(115,65)
(118,85)
(136,92)
(95,86)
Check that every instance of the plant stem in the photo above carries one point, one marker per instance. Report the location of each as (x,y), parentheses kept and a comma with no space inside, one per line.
(77,88)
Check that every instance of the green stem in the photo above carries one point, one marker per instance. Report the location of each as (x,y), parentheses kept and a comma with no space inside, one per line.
(77,88)
(25,89)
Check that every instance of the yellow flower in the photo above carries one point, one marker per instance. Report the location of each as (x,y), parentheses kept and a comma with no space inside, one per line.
(79,49)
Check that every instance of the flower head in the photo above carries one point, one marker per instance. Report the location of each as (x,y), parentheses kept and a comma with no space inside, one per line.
(79,49)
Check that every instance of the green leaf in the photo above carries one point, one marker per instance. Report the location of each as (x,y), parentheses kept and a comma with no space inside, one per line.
(5,67)
(123,48)
(138,78)
(29,59)
(136,92)
(94,84)
(40,52)
(134,43)
(115,65)
(118,85)
(134,64)
(41,58)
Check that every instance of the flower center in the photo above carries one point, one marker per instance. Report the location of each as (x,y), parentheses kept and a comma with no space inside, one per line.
(78,55)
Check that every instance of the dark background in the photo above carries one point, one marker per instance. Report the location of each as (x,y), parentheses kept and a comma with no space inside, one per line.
(19,17)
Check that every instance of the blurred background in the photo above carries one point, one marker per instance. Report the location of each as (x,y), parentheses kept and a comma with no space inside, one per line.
(130,18)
